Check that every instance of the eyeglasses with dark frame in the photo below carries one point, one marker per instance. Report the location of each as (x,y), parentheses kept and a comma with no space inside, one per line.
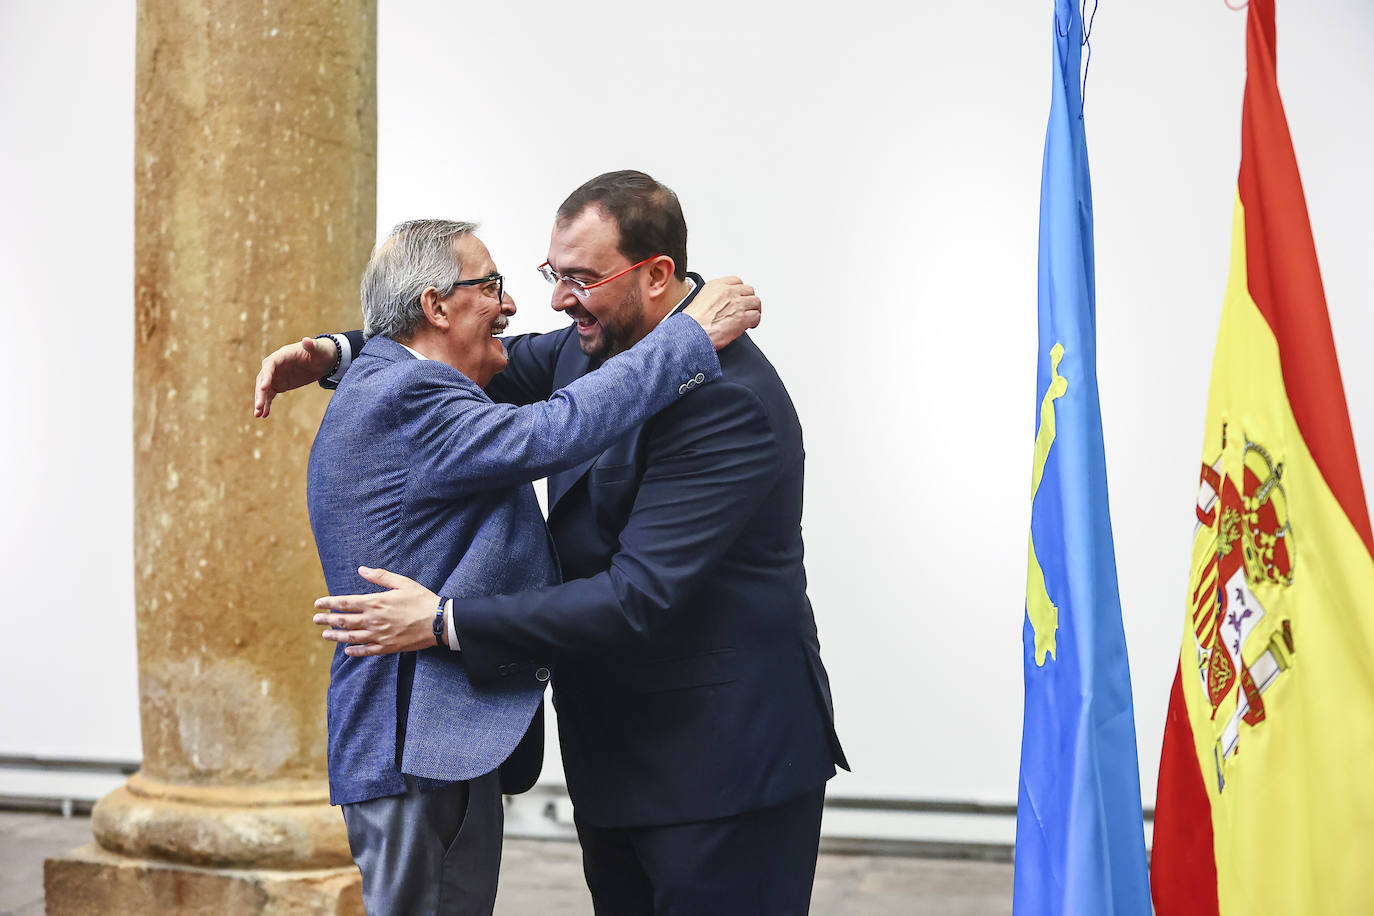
(577,287)
(497,279)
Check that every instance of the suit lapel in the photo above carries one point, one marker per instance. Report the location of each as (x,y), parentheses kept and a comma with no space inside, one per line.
(572,365)
(563,481)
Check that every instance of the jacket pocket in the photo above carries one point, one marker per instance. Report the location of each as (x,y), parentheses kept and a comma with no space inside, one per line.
(715,667)
(611,473)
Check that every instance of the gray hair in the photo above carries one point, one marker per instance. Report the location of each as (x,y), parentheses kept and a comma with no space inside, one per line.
(416,255)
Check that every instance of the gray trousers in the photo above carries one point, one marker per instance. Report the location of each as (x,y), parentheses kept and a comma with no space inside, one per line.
(429,852)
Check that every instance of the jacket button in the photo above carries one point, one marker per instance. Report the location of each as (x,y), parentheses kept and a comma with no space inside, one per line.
(502,670)
(681,389)
(701,377)
(541,675)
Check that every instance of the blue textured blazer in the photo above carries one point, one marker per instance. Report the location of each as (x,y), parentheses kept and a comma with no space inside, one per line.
(689,683)
(416,470)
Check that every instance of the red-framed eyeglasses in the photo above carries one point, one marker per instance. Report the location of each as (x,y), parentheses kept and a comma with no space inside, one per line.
(580,289)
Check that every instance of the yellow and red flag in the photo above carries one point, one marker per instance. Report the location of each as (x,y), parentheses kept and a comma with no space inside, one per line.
(1266,779)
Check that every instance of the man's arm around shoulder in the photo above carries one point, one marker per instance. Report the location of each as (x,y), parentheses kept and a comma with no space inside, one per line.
(710,464)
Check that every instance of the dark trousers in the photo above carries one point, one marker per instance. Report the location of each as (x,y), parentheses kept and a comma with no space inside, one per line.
(759,863)
(429,852)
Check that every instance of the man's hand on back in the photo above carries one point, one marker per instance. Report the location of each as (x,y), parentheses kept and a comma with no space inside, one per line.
(400,619)
(726,308)
(292,366)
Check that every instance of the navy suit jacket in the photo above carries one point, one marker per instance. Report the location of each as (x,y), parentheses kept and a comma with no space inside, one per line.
(415,469)
(688,678)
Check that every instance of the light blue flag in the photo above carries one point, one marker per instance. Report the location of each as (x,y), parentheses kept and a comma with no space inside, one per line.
(1080,841)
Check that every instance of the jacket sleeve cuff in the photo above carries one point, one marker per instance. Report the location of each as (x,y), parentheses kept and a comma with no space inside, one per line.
(687,333)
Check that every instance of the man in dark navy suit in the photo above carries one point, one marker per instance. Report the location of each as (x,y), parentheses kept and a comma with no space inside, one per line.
(694,712)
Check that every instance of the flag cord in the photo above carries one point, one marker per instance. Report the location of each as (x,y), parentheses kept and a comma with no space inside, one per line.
(1087,34)
(1236,8)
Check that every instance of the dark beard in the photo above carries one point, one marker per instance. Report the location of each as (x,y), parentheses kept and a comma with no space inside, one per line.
(624,333)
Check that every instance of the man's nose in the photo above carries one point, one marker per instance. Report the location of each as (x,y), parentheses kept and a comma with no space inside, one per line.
(507,304)
(563,298)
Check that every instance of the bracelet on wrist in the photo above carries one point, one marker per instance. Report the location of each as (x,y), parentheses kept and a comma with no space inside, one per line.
(338,355)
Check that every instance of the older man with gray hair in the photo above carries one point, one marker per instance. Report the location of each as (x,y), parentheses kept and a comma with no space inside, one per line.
(416,469)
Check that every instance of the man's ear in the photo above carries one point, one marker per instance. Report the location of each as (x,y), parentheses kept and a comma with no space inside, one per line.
(436,311)
(659,273)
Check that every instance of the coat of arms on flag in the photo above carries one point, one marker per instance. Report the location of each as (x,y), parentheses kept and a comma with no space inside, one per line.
(1243,558)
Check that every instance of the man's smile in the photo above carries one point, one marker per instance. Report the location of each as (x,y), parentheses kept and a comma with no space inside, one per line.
(584,320)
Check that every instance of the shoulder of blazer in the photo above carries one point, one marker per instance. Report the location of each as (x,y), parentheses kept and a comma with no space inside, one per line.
(723,408)
(402,391)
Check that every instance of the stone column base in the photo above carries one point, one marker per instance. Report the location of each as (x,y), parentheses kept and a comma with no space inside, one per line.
(91,880)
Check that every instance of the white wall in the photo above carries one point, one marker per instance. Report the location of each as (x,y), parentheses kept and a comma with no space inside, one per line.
(874,170)
(69,676)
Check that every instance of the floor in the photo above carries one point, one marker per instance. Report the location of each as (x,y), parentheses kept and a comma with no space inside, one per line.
(544,877)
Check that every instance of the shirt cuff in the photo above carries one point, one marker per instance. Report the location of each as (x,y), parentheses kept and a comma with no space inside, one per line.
(448,622)
(345,357)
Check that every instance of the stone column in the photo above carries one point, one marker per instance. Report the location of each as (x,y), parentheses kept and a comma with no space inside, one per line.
(255,211)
